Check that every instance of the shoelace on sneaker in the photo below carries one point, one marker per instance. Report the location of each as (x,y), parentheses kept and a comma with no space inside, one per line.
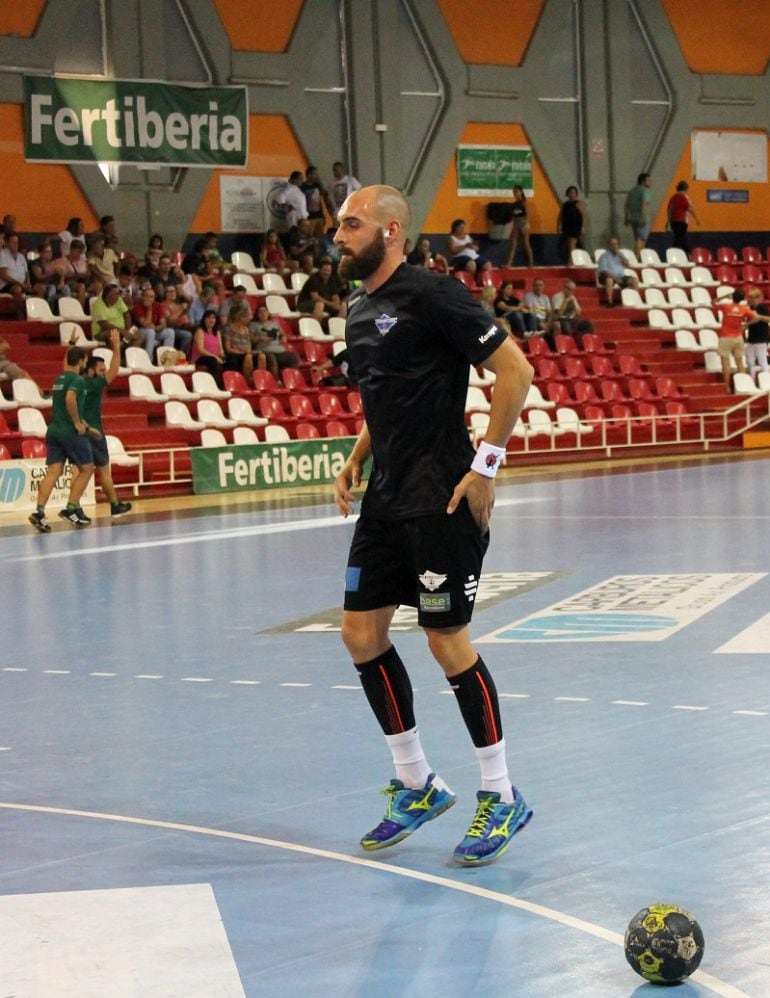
(479,822)
(390,792)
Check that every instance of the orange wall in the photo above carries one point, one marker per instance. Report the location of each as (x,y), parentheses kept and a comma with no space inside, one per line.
(267,29)
(495,32)
(722,36)
(273,152)
(20,19)
(750,217)
(542,208)
(43,196)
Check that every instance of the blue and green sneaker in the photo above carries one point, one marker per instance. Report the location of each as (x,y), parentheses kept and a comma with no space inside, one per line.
(407,810)
(492,828)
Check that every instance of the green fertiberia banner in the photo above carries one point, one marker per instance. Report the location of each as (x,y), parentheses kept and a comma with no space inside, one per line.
(72,120)
(487,171)
(269,466)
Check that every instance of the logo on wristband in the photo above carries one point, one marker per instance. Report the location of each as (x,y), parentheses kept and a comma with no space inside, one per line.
(492,461)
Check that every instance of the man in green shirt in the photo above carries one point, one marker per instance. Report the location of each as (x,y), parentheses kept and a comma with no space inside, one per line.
(98,377)
(637,211)
(66,440)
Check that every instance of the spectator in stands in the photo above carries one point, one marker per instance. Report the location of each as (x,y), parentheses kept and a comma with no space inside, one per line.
(539,305)
(147,315)
(571,222)
(102,261)
(46,279)
(9,225)
(9,369)
(195,263)
(735,316)
(272,255)
(236,337)
(109,311)
(98,377)
(328,247)
(208,352)
(303,248)
(464,250)
(269,339)
(153,252)
(206,299)
(130,288)
(757,333)
(174,308)
(167,276)
(637,211)
(316,196)
(507,306)
(566,309)
(75,229)
(611,270)
(679,212)
(239,297)
(423,256)
(487,302)
(323,294)
(77,275)
(292,200)
(520,227)
(342,184)
(14,275)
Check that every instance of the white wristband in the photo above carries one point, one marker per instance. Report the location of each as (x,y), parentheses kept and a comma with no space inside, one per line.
(487,459)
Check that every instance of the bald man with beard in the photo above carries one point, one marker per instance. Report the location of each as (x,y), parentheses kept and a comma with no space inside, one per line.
(412,337)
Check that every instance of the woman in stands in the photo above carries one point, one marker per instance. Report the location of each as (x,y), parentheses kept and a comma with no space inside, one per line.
(570,222)
(208,352)
(154,252)
(464,250)
(509,307)
(272,256)
(236,336)
(75,229)
(520,230)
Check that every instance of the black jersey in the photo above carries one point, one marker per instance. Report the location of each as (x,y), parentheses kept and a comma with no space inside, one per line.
(411,344)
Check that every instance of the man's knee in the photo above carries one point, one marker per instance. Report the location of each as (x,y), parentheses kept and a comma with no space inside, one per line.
(365,634)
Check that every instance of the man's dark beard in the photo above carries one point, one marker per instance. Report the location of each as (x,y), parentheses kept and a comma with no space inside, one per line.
(363,264)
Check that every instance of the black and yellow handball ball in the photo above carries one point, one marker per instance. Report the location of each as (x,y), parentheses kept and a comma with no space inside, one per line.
(664,944)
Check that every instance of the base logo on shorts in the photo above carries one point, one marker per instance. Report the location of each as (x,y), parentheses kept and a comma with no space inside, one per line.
(435,602)
(432,580)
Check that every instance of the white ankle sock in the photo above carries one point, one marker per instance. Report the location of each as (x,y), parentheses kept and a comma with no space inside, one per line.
(409,759)
(494,770)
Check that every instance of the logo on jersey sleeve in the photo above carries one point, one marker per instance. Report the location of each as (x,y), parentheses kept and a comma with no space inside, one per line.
(384,324)
(488,334)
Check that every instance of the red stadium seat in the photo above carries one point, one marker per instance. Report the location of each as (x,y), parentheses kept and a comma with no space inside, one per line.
(575,368)
(557,392)
(307,431)
(585,393)
(726,254)
(33,448)
(548,369)
(639,388)
(629,365)
(330,405)
(5,454)
(316,352)
(701,256)
(601,366)
(336,428)
(271,409)
(466,278)
(294,380)
(593,344)
(537,347)
(726,274)
(667,389)
(354,404)
(611,391)
(265,382)
(565,343)
(750,254)
(302,408)
(235,382)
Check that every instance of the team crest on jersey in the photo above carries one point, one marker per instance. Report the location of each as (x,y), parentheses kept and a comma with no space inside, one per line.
(432,580)
(384,324)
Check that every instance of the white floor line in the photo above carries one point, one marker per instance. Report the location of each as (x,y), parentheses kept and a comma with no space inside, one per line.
(562,918)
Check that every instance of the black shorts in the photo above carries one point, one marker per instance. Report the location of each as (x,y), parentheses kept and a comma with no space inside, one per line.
(75,449)
(430,562)
(100,451)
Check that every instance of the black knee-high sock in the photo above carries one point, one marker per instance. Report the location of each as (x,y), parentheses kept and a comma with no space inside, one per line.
(389,691)
(477,698)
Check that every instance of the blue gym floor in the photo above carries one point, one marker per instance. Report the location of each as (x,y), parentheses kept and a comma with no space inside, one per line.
(187,761)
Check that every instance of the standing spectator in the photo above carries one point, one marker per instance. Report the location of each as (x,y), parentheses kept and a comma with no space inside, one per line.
(316,196)
(566,309)
(342,184)
(208,352)
(147,315)
(66,440)
(293,200)
(571,222)
(98,378)
(322,294)
(731,343)
(423,529)
(611,270)
(637,211)
(507,306)
(539,305)
(14,276)
(520,228)
(757,333)
(679,212)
